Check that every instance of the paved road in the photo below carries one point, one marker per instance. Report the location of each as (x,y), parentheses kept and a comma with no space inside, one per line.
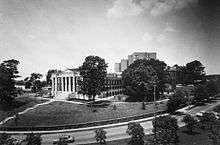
(114,133)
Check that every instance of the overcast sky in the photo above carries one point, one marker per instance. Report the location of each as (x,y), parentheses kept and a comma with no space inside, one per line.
(59,34)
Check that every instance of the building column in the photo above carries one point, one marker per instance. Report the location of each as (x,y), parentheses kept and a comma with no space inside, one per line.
(52,86)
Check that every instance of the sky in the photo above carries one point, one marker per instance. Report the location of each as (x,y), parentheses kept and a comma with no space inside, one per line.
(59,34)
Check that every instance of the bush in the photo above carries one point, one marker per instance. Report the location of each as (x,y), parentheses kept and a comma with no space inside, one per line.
(100,136)
(136,131)
(165,130)
(33,139)
(176,101)
(190,122)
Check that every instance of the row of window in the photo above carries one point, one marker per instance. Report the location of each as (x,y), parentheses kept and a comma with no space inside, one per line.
(120,92)
(113,82)
(113,87)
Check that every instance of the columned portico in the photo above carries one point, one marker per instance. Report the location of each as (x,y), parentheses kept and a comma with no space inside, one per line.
(63,84)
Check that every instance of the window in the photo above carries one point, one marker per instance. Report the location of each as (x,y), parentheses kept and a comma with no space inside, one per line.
(71,83)
(64,84)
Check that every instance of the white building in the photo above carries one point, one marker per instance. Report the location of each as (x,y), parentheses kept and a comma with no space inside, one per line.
(64,84)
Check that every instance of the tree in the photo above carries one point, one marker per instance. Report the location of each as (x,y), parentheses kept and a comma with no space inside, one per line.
(93,72)
(33,139)
(176,101)
(165,130)
(138,80)
(34,82)
(136,131)
(190,122)
(8,73)
(210,122)
(195,72)
(100,136)
(6,139)
(211,87)
(201,94)
(49,73)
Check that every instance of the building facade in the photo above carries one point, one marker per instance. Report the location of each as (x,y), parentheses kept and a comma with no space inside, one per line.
(65,84)
(131,58)
(117,67)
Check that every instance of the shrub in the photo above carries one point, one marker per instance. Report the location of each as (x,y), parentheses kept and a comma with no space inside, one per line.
(176,101)
(165,130)
(33,139)
(100,136)
(190,122)
(136,131)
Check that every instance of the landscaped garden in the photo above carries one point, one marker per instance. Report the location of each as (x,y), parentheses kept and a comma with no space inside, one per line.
(19,104)
(65,113)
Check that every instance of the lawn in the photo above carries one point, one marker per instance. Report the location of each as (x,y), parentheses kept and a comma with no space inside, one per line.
(61,113)
(19,104)
(199,137)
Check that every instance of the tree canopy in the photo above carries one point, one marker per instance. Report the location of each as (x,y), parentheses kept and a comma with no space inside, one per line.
(165,129)
(136,131)
(93,72)
(195,72)
(34,82)
(8,73)
(138,79)
(49,73)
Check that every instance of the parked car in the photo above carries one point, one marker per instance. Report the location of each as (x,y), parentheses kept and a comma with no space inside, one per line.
(67,139)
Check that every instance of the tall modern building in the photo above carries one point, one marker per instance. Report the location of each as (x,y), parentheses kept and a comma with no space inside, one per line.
(120,67)
(124,64)
(117,67)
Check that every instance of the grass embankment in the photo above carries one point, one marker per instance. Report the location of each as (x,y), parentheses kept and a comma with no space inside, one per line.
(19,104)
(199,137)
(61,113)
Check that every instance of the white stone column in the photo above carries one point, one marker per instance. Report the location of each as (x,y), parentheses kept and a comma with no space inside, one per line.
(52,86)
(55,84)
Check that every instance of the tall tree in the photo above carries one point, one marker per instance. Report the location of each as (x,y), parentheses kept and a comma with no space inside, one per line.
(34,82)
(138,79)
(49,73)
(93,72)
(195,72)
(8,73)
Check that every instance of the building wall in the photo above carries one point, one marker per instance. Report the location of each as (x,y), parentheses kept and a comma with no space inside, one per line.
(124,64)
(117,67)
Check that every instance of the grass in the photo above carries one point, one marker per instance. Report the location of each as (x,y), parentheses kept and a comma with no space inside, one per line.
(61,113)
(199,137)
(19,104)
